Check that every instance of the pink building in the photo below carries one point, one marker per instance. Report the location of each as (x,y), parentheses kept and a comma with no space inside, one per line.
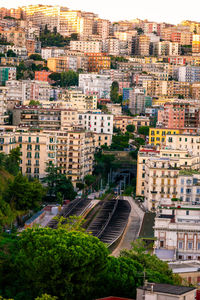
(172,115)
(123,84)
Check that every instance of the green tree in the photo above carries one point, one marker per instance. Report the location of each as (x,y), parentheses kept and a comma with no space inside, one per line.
(2,55)
(156,270)
(69,78)
(89,179)
(114,92)
(35,56)
(121,277)
(139,30)
(11,53)
(119,142)
(130,128)
(23,194)
(57,262)
(46,297)
(58,183)
(34,102)
(12,161)
(144,130)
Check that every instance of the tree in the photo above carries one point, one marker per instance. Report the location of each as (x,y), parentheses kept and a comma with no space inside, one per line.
(130,128)
(156,270)
(57,262)
(23,194)
(11,53)
(55,30)
(89,179)
(120,278)
(2,55)
(12,161)
(46,297)
(119,142)
(144,130)
(114,96)
(35,56)
(34,102)
(58,183)
(139,30)
(69,78)
(65,79)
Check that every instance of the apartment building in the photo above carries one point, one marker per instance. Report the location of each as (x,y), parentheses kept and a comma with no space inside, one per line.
(114,108)
(166,48)
(157,136)
(178,115)
(196,43)
(65,63)
(76,99)
(42,15)
(161,173)
(96,122)
(72,151)
(98,62)
(177,232)
(167,88)
(43,76)
(3,105)
(26,90)
(86,46)
(7,73)
(95,84)
(121,122)
(189,74)
(184,141)
(139,101)
(14,36)
(141,45)
(49,52)
(45,117)
(195,91)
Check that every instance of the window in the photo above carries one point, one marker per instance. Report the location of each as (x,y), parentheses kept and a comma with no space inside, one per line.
(187,212)
(29,139)
(143,175)
(182,190)
(182,181)
(28,170)
(29,147)
(180,245)
(28,154)
(37,139)
(37,147)
(190,246)
(20,139)
(37,162)
(198,245)
(37,155)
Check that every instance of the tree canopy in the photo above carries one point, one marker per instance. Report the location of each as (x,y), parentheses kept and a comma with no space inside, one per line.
(65,79)
(130,128)
(144,130)
(58,183)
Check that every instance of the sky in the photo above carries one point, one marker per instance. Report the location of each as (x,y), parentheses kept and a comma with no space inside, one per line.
(171,11)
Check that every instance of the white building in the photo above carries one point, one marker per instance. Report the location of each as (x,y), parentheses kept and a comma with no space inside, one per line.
(26,90)
(112,46)
(52,52)
(94,83)
(188,74)
(97,122)
(3,105)
(177,232)
(86,46)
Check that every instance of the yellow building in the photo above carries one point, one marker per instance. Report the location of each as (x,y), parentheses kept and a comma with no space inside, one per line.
(57,64)
(157,136)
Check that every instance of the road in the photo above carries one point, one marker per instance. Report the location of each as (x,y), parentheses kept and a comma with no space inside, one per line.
(133,227)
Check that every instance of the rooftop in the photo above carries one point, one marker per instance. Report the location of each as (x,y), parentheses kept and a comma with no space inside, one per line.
(169,289)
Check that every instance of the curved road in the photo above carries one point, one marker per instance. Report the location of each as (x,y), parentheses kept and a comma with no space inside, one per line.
(133,227)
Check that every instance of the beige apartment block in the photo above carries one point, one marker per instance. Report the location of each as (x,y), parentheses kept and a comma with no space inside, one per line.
(184,142)
(122,122)
(76,99)
(157,173)
(72,151)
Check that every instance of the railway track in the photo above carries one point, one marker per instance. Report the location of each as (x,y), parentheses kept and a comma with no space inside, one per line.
(111,221)
(74,208)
